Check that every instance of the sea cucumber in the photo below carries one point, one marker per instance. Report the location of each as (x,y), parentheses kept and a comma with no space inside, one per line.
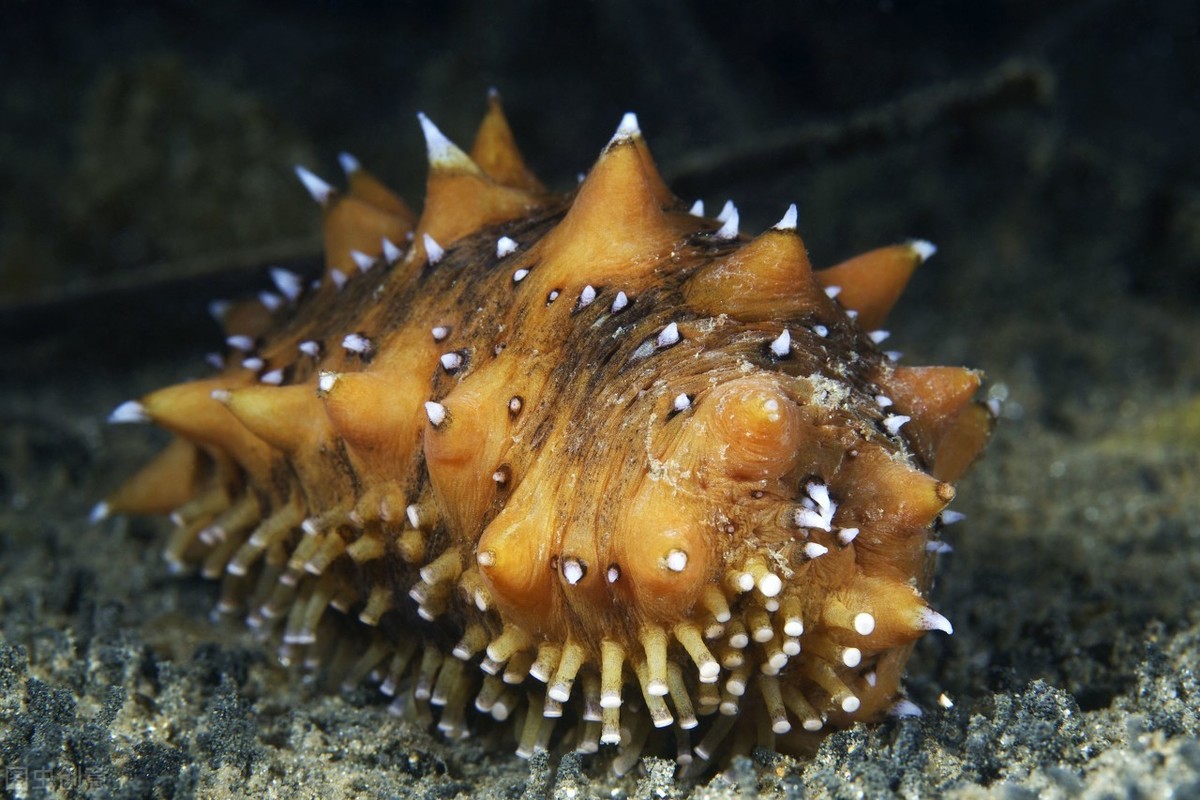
(595,462)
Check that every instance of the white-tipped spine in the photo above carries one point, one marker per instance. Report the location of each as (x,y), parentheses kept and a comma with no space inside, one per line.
(318,188)
(505,246)
(130,411)
(441,151)
(357,343)
(391,252)
(729,228)
(433,250)
(628,129)
(930,620)
(349,163)
(924,250)
(289,284)
(781,347)
(436,413)
(667,337)
(788,223)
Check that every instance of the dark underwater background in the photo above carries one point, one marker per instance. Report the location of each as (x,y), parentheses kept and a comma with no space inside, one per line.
(1048,149)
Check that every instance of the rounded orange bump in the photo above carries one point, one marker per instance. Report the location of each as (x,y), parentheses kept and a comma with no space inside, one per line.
(769,278)
(515,560)
(378,415)
(759,424)
(663,557)
(464,454)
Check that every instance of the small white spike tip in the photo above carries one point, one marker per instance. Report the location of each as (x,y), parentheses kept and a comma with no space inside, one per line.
(128,412)
(289,284)
(931,620)
(729,228)
(788,223)
(727,210)
(357,343)
(628,128)
(505,246)
(436,413)
(338,277)
(573,573)
(274,377)
(950,517)
(903,708)
(433,250)
(782,346)
(894,422)
(819,492)
(310,348)
(441,151)
(924,250)
(864,623)
(682,402)
(326,381)
(100,512)
(349,163)
(362,260)
(451,362)
(218,309)
(270,301)
(619,302)
(814,550)
(697,209)
(239,342)
(391,252)
(319,189)
(676,561)
(667,336)
(587,296)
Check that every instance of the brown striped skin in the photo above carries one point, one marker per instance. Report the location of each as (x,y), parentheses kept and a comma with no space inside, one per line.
(591,477)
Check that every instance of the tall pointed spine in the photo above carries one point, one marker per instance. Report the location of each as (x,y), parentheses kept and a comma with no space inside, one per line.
(616,224)
(496,152)
(460,198)
(189,410)
(162,485)
(871,283)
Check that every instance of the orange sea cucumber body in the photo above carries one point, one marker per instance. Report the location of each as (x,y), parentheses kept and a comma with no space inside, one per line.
(596,457)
